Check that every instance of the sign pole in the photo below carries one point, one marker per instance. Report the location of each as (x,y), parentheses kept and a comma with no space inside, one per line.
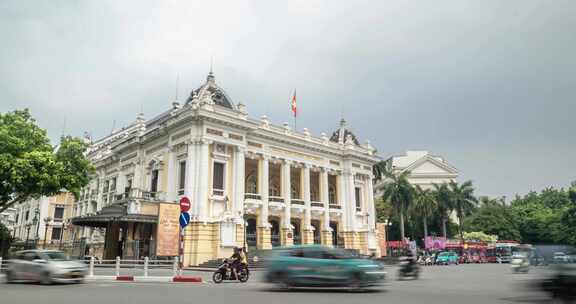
(181,250)
(184,221)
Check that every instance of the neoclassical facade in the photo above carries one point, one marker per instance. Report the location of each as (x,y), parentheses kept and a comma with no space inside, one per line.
(425,169)
(251,183)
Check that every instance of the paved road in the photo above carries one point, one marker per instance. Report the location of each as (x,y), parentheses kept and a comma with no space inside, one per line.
(468,284)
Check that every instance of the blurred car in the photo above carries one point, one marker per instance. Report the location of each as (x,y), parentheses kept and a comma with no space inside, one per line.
(561,283)
(44,266)
(317,266)
(560,257)
(447,258)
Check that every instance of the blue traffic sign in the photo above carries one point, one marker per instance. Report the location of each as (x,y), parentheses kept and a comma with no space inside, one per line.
(184,219)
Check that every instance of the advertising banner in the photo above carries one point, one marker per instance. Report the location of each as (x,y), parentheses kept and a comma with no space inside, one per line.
(435,243)
(167,234)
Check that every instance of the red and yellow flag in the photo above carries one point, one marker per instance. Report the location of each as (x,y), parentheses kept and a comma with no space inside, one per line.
(293,102)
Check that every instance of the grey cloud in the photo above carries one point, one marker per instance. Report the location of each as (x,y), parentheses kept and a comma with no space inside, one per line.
(487,84)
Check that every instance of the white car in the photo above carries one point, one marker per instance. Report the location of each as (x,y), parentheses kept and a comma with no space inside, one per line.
(44,266)
(561,257)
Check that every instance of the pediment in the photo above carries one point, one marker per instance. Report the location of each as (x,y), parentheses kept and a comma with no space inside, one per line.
(430,166)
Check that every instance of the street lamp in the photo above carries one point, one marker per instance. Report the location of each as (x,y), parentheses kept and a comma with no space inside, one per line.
(36,222)
(388,224)
(64,226)
(47,221)
(28,226)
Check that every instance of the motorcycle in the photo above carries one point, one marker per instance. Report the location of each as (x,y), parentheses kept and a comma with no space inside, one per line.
(408,270)
(224,272)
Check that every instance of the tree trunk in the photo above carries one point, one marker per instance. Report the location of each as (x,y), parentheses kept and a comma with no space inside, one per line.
(444,234)
(461,226)
(402,235)
(425,227)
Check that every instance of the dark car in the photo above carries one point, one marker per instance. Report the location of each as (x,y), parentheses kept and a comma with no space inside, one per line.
(317,266)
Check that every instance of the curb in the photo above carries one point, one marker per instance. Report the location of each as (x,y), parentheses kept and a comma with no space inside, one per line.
(125,278)
(187,279)
(176,279)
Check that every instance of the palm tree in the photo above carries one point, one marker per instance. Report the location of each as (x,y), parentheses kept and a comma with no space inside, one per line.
(443,204)
(424,205)
(380,170)
(399,192)
(464,202)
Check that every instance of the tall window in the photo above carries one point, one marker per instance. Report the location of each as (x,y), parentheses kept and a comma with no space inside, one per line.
(17,216)
(154,182)
(218,179)
(56,233)
(113,185)
(128,185)
(182,178)
(106,186)
(58,213)
(251,183)
(332,195)
(358,199)
(26,215)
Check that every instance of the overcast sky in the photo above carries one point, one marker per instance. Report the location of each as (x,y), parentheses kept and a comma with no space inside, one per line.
(489,85)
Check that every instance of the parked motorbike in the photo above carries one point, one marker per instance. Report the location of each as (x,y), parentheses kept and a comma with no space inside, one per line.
(225,273)
(408,270)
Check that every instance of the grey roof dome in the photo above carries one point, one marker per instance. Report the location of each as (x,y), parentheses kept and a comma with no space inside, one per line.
(213,91)
(342,134)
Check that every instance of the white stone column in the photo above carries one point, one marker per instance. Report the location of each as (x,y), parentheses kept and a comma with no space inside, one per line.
(139,177)
(308,211)
(263,180)
(371,205)
(342,200)
(326,198)
(171,172)
(191,179)
(287,193)
(239,168)
(203,191)
(351,200)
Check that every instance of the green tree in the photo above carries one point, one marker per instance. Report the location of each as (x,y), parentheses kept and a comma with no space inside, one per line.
(380,170)
(569,217)
(480,236)
(424,205)
(542,216)
(444,205)
(384,210)
(464,202)
(399,192)
(493,217)
(30,167)
(5,240)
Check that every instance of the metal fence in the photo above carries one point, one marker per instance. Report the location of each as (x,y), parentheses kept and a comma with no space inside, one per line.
(145,265)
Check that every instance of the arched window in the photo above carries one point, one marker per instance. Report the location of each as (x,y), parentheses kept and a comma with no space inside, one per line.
(294,192)
(251,183)
(332,195)
(274,189)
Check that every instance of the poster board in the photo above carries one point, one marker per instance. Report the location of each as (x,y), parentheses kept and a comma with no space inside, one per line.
(168,230)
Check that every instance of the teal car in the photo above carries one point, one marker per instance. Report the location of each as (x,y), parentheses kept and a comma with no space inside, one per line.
(317,266)
(447,258)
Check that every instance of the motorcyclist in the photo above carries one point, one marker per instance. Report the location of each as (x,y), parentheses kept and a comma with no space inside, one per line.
(234,262)
(409,263)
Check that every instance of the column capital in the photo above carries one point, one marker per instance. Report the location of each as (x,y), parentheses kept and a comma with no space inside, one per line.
(240,149)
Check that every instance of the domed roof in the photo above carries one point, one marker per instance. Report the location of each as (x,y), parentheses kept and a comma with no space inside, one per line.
(213,92)
(342,135)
